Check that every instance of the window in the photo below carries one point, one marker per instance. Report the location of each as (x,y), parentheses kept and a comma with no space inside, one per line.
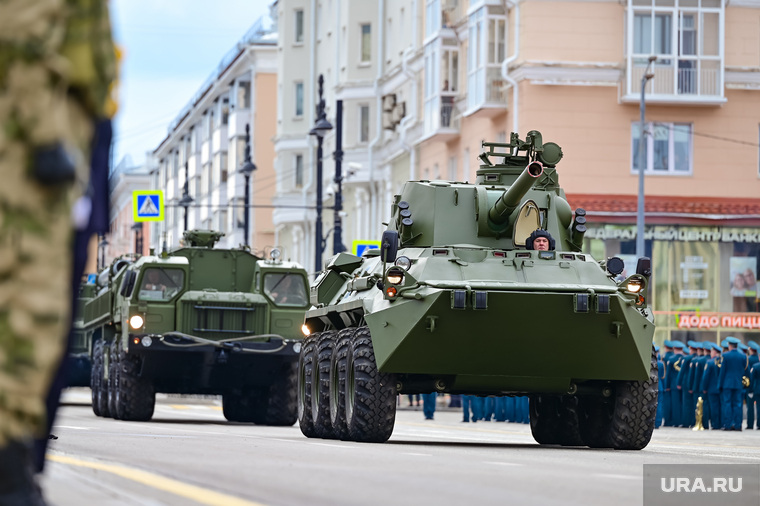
(453,176)
(363,123)
(486,51)
(225,111)
(685,37)
(223,167)
(285,289)
(299,100)
(366,43)
(298,171)
(159,284)
(244,95)
(667,149)
(299,26)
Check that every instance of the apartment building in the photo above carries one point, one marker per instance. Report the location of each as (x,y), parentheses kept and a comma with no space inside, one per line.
(199,163)
(423,82)
(124,235)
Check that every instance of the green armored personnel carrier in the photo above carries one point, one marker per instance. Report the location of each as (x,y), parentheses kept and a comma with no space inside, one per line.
(456,301)
(198,320)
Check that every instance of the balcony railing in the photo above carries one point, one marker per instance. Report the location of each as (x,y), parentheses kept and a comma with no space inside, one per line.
(685,79)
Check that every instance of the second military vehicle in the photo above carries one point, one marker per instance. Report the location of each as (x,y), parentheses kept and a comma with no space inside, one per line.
(456,301)
(198,320)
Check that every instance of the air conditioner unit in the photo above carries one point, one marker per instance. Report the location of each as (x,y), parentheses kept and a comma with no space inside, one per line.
(388,120)
(389,102)
(398,112)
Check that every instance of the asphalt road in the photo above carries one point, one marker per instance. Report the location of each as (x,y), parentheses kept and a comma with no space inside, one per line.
(189,454)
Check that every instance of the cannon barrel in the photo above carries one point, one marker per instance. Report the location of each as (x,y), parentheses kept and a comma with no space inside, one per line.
(512,196)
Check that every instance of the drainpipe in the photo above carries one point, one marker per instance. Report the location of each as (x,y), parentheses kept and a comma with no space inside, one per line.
(410,119)
(312,92)
(505,64)
(379,108)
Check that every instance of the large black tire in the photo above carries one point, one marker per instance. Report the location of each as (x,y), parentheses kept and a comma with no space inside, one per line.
(113,379)
(554,420)
(544,419)
(306,365)
(634,411)
(96,376)
(370,394)
(625,421)
(136,396)
(240,406)
(320,395)
(277,405)
(338,383)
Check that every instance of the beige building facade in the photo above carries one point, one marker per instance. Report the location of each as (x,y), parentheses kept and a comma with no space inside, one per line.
(199,163)
(423,82)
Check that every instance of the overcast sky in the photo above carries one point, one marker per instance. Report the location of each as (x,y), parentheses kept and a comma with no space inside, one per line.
(170,47)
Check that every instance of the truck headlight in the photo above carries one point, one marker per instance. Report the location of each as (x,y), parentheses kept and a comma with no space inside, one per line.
(136,322)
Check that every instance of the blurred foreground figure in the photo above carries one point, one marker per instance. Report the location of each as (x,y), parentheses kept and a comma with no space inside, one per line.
(57,67)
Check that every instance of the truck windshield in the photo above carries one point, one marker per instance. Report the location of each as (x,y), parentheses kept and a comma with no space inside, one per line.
(285,289)
(160,284)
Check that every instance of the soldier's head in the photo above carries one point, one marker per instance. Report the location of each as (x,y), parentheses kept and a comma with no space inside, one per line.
(714,350)
(733,343)
(540,240)
(753,347)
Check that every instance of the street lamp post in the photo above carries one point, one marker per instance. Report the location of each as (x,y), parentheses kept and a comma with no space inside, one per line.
(138,228)
(102,245)
(321,127)
(186,198)
(338,179)
(640,249)
(247,169)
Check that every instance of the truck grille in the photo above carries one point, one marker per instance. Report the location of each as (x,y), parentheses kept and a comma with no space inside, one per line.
(221,320)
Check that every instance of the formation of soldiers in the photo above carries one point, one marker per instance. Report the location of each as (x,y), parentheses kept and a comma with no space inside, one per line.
(703,384)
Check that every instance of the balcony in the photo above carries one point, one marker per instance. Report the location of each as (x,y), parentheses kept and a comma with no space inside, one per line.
(442,118)
(678,82)
(487,93)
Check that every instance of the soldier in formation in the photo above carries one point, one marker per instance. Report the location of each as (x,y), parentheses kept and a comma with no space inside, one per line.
(57,67)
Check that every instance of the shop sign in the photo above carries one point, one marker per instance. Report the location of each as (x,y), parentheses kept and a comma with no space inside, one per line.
(674,234)
(716,320)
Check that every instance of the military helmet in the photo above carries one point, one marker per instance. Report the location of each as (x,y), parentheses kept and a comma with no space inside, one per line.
(539,233)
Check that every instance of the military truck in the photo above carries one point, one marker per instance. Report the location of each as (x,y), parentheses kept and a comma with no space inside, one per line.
(198,320)
(455,302)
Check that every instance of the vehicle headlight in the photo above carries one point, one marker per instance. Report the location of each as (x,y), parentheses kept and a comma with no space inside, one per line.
(305,330)
(146,341)
(395,275)
(403,262)
(136,322)
(297,347)
(634,284)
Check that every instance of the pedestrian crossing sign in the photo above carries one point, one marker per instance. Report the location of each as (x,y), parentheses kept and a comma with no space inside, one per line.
(358,247)
(148,205)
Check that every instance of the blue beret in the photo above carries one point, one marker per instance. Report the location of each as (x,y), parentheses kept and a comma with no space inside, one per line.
(678,344)
(724,343)
(716,347)
(656,348)
(743,347)
(690,343)
(668,343)
(753,345)
(697,345)
(707,345)
(732,340)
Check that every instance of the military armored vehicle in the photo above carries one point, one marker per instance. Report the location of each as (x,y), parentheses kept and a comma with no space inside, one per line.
(456,302)
(198,320)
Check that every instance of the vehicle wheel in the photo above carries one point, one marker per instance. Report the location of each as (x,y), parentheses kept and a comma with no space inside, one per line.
(320,395)
(624,421)
(338,383)
(306,365)
(136,397)
(240,406)
(277,405)
(544,419)
(105,362)
(370,394)
(96,375)
(113,380)
(634,411)
(569,426)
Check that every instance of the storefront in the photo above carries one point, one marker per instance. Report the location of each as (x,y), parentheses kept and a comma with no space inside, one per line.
(705,278)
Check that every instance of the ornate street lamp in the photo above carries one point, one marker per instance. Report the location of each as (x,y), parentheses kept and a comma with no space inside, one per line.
(640,249)
(321,127)
(247,169)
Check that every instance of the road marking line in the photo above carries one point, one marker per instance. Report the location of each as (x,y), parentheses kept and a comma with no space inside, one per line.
(195,493)
(179,406)
(503,463)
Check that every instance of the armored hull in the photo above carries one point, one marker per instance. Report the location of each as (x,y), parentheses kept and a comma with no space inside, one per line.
(458,301)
